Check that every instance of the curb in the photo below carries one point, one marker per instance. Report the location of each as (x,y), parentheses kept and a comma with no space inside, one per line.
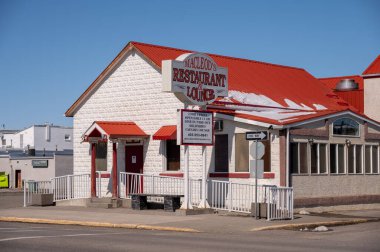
(315,224)
(97,224)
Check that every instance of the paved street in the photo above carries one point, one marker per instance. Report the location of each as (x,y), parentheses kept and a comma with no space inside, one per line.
(11,198)
(38,237)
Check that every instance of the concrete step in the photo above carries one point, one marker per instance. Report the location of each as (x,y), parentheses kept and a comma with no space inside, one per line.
(101,200)
(99,205)
(105,203)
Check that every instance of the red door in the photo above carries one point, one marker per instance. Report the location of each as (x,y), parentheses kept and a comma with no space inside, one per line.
(134,164)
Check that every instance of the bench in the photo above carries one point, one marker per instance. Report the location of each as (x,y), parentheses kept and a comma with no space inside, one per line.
(171,202)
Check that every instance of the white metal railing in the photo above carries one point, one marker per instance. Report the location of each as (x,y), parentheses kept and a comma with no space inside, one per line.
(71,187)
(233,196)
(98,184)
(153,184)
(280,203)
(35,187)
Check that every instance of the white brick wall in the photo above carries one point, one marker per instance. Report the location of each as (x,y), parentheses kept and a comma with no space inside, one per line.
(133,93)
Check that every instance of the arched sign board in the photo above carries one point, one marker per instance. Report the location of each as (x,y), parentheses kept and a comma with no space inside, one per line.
(194,78)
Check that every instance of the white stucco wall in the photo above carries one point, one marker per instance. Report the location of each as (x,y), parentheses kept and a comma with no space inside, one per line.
(30,173)
(371,98)
(52,138)
(44,136)
(23,138)
(8,138)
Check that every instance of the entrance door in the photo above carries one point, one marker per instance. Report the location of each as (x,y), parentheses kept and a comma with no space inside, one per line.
(18,179)
(134,164)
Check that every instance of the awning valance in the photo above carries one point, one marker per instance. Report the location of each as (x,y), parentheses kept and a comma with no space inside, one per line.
(114,129)
(168,132)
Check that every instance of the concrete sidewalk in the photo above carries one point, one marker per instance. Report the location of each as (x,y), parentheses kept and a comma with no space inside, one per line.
(160,220)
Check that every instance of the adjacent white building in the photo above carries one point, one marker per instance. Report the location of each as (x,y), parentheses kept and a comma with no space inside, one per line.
(38,166)
(46,137)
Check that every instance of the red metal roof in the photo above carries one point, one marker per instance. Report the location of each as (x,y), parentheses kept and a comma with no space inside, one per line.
(332,81)
(166,133)
(353,97)
(250,83)
(274,81)
(374,67)
(121,129)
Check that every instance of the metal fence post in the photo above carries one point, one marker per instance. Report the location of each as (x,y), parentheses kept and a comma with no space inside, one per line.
(24,193)
(153,185)
(231,195)
(68,187)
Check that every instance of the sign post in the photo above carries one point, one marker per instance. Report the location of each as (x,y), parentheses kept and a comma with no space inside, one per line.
(257,154)
(195,79)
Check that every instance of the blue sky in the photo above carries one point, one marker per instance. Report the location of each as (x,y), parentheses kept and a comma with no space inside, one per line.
(51,51)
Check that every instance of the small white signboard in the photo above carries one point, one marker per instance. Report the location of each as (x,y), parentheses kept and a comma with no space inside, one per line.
(196,128)
(256,136)
(259,170)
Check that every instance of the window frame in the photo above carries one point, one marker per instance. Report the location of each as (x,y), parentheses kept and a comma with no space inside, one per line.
(67,139)
(341,135)
(308,157)
(354,159)
(345,166)
(318,144)
(164,146)
(371,159)
(228,160)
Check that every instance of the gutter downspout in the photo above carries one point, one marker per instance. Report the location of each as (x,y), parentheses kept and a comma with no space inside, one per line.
(287,158)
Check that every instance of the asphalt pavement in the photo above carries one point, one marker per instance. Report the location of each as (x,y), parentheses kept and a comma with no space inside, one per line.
(39,237)
(218,223)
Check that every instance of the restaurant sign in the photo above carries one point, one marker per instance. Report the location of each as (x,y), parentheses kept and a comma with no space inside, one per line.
(194,78)
(196,128)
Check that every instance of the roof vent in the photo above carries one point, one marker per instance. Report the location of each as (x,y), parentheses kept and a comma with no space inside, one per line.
(346,85)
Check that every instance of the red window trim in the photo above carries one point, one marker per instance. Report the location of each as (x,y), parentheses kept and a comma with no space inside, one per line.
(267,175)
(177,174)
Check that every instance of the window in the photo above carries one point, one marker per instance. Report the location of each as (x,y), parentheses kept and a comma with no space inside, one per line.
(172,155)
(294,167)
(221,153)
(345,127)
(337,163)
(241,153)
(371,159)
(368,159)
(359,159)
(267,156)
(67,137)
(318,158)
(299,156)
(303,158)
(101,156)
(375,159)
(351,158)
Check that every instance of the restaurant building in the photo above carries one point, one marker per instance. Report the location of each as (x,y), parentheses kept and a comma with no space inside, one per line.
(320,144)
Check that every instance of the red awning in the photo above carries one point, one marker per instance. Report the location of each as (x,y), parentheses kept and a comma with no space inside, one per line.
(113,129)
(168,132)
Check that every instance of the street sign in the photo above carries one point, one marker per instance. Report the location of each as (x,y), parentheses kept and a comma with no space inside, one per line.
(256,136)
(256,168)
(257,150)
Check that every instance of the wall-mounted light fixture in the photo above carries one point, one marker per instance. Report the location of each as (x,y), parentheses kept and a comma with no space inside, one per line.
(311,141)
(348,142)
